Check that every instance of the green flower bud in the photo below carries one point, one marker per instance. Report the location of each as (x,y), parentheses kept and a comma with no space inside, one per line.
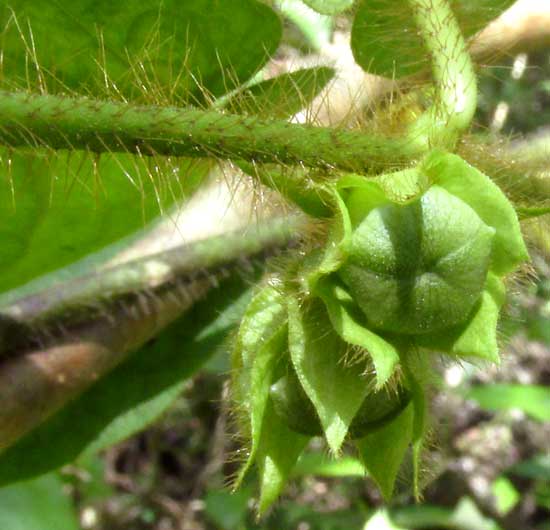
(419,267)
(292,405)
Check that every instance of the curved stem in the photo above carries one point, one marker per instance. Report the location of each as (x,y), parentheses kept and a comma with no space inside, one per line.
(57,122)
(452,72)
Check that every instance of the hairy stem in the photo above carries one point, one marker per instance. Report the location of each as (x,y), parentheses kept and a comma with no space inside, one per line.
(61,122)
(453,74)
(37,381)
(210,259)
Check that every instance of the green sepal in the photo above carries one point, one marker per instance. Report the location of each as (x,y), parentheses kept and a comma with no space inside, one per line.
(478,191)
(364,194)
(264,316)
(293,184)
(278,451)
(382,452)
(416,371)
(360,195)
(335,387)
(346,319)
(478,337)
(335,251)
(261,342)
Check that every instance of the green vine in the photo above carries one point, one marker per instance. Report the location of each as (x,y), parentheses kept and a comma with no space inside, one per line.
(406,254)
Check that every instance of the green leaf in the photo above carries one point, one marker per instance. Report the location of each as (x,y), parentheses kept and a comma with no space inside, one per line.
(385,39)
(474,15)
(534,400)
(465,516)
(505,494)
(134,394)
(383,451)
(335,387)
(145,46)
(348,323)
(227,510)
(278,452)
(329,7)
(281,96)
(36,505)
(261,341)
(537,468)
(63,207)
(480,193)
(321,465)
(478,337)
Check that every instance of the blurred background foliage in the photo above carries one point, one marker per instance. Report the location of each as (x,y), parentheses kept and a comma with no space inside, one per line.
(489,466)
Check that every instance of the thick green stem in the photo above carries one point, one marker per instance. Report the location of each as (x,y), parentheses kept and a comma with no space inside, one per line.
(80,123)
(453,74)
(210,258)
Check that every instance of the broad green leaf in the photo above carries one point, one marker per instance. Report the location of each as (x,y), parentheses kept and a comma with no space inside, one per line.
(329,7)
(281,96)
(534,400)
(278,452)
(133,395)
(321,465)
(334,385)
(262,339)
(383,451)
(146,47)
(385,39)
(347,321)
(55,209)
(36,505)
(474,15)
(480,193)
(478,337)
